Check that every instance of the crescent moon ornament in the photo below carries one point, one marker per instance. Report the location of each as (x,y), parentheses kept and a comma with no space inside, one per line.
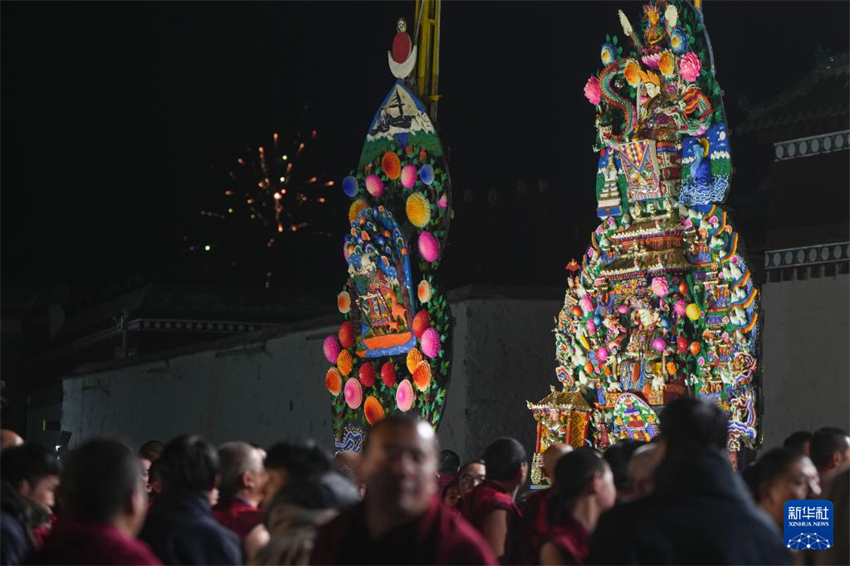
(403,69)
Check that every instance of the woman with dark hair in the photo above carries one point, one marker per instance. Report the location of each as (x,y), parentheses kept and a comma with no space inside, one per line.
(585,489)
(780,475)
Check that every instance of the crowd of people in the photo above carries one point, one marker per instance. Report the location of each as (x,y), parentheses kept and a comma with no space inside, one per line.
(674,500)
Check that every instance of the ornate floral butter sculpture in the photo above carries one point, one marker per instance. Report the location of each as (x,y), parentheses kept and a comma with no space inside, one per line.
(663,304)
(393,350)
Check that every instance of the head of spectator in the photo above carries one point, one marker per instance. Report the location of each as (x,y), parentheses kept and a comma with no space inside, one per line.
(260,449)
(450,495)
(190,464)
(471,475)
(154,486)
(692,425)
(641,469)
(243,476)
(449,462)
(33,472)
(829,449)
(551,456)
(618,456)
(780,475)
(149,453)
(799,441)
(584,489)
(507,464)
(102,483)
(9,438)
(400,468)
(288,462)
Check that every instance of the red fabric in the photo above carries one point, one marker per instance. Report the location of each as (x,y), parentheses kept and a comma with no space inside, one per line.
(439,536)
(40,532)
(571,539)
(78,542)
(402,46)
(483,500)
(534,527)
(239,516)
(445,479)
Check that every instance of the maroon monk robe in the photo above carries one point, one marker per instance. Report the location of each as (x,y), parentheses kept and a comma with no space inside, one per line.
(439,536)
(81,542)
(483,500)
(534,527)
(239,516)
(571,539)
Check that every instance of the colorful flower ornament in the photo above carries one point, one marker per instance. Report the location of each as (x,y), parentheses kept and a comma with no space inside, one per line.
(679,41)
(343,302)
(689,66)
(356,207)
(430,343)
(353,393)
(344,362)
(388,374)
(331,348)
(349,186)
(429,247)
(422,376)
(426,174)
(418,210)
(333,381)
(593,91)
(391,165)
(667,64)
(423,291)
(408,176)
(367,374)
(608,53)
(373,410)
(404,396)
(374,186)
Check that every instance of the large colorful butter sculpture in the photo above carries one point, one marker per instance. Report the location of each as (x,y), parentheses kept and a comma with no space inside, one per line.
(663,304)
(393,350)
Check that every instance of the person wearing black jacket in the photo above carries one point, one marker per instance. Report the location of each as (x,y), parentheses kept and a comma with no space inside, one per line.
(180,527)
(700,511)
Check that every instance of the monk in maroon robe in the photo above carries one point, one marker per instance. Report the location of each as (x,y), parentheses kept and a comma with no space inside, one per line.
(106,504)
(243,479)
(401,520)
(584,489)
(535,521)
(491,506)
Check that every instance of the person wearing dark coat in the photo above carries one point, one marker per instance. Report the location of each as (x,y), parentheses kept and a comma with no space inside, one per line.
(700,511)
(180,526)
(30,474)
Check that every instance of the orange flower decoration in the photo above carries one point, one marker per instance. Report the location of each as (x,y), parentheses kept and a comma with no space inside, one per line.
(413,359)
(422,376)
(344,362)
(355,209)
(373,410)
(333,382)
(343,302)
(667,64)
(632,73)
(423,291)
(391,165)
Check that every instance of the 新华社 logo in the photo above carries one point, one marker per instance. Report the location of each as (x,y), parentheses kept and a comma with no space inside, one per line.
(808,524)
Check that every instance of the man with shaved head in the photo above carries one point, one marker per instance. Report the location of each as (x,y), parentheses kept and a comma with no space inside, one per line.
(535,519)
(642,468)
(243,479)
(401,520)
(9,438)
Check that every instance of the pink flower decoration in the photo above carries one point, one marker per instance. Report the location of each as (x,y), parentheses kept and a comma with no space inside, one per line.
(331,348)
(680,308)
(430,343)
(353,393)
(689,66)
(404,396)
(408,176)
(591,326)
(623,309)
(586,304)
(687,223)
(660,286)
(374,185)
(429,247)
(443,202)
(593,91)
(602,354)
(659,344)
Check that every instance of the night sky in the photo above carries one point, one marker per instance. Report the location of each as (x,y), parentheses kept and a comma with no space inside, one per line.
(117,118)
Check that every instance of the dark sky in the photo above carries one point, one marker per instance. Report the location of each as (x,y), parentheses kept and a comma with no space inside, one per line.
(113,114)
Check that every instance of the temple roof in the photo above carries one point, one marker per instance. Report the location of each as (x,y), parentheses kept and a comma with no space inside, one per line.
(822,94)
